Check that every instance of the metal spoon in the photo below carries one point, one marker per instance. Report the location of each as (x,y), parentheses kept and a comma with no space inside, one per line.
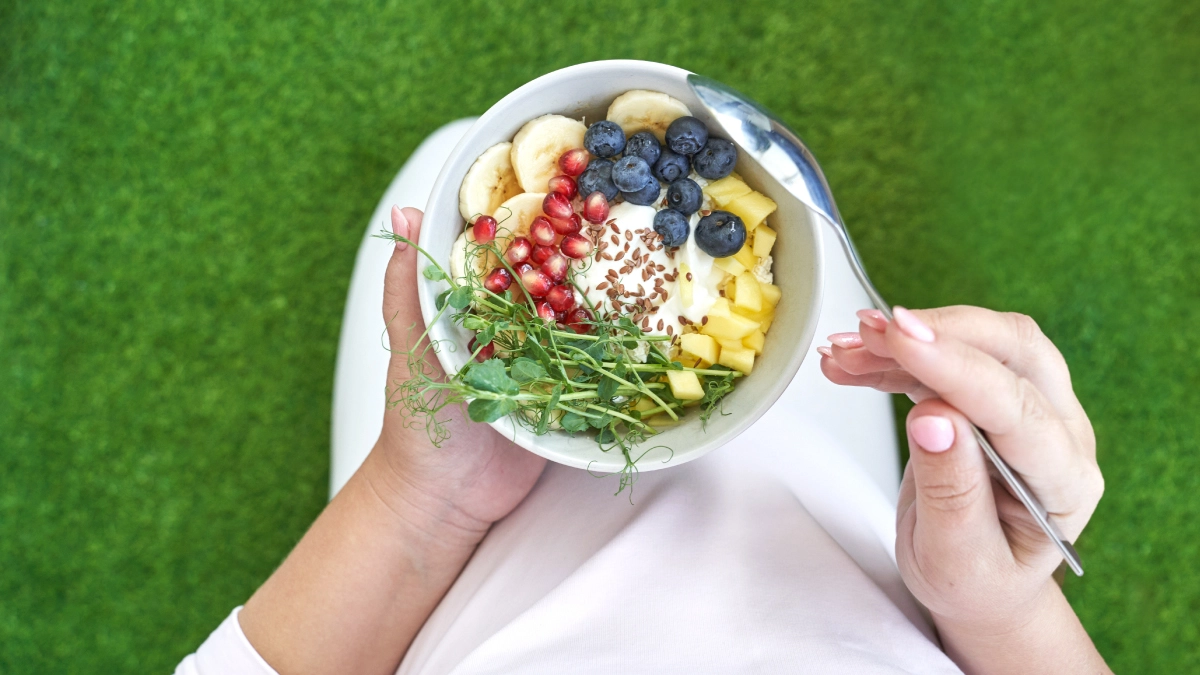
(782,154)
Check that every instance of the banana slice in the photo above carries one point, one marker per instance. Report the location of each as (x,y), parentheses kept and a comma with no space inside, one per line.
(641,110)
(468,261)
(515,216)
(488,182)
(538,145)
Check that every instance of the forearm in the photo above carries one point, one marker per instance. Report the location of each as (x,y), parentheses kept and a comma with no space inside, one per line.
(354,592)
(1049,639)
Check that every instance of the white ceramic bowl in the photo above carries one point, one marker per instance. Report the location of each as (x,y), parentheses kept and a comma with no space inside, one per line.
(585,91)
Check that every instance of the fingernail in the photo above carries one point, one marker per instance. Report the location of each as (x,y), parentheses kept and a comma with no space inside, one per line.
(846,340)
(873,318)
(399,227)
(908,322)
(933,434)
(825,351)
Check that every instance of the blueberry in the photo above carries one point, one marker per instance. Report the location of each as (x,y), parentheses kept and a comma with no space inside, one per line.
(671,166)
(644,145)
(604,139)
(631,173)
(647,196)
(598,178)
(716,159)
(673,226)
(720,234)
(684,196)
(687,135)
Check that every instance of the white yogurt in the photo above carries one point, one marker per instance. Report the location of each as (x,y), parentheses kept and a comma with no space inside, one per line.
(630,272)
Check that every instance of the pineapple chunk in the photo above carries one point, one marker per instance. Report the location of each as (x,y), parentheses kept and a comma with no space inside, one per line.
(644,403)
(720,307)
(755,341)
(685,386)
(767,312)
(702,347)
(765,324)
(752,208)
(726,190)
(749,296)
(764,240)
(738,359)
(730,344)
(730,289)
(746,257)
(688,361)
(731,265)
(731,327)
(770,293)
(685,285)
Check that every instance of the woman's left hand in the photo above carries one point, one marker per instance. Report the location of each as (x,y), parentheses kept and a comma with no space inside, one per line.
(475,476)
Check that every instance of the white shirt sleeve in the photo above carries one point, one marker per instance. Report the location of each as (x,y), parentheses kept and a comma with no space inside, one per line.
(226,652)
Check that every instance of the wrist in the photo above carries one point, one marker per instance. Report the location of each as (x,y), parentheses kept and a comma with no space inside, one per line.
(417,506)
(1045,635)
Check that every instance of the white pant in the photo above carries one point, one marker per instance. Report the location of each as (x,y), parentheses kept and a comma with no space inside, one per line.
(859,420)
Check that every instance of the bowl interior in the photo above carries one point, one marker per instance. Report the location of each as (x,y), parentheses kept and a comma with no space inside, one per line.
(584,92)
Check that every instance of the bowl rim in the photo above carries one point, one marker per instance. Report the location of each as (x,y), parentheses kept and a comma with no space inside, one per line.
(508,428)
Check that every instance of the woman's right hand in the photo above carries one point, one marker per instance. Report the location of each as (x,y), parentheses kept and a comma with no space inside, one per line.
(966,547)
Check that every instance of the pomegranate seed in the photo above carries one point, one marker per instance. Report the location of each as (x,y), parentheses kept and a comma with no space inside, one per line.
(545,311)
(484,229)
(498,280)
(519,250)
(595,208)
(536,282)
(542,253)
(574,162)
(577,320)
(484,354)
(522,268)
(542,231)
(561,298)
(564,185)
(567,226)
(555,267)
(557,206)
(576,246)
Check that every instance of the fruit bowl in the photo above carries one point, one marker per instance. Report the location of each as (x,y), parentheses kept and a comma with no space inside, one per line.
(585,91)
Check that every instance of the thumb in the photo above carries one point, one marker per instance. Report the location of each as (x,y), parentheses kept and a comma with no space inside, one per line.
(401,308)
(956,522)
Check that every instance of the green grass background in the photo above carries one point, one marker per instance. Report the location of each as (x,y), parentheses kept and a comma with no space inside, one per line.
(184,186)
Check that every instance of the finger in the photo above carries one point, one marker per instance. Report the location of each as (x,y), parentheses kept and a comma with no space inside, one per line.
(888,381)
(956,525)
(1021,424)
(848,351)
(401,308)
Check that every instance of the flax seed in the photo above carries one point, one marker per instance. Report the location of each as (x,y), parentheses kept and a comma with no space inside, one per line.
(682,320)
(670,331)
(601,286)
(613,226)
(628,235)
(689,276)
(704,321)
(660,324)
(606,256)
(615,241)
(620,254)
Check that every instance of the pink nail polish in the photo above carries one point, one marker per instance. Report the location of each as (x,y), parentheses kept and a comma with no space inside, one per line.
(825,351)
(873,318)
(846,340)
(908,322)
(399,226)
(932,434)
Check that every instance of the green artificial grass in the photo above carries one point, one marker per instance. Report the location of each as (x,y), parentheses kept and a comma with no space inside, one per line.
(184,187)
